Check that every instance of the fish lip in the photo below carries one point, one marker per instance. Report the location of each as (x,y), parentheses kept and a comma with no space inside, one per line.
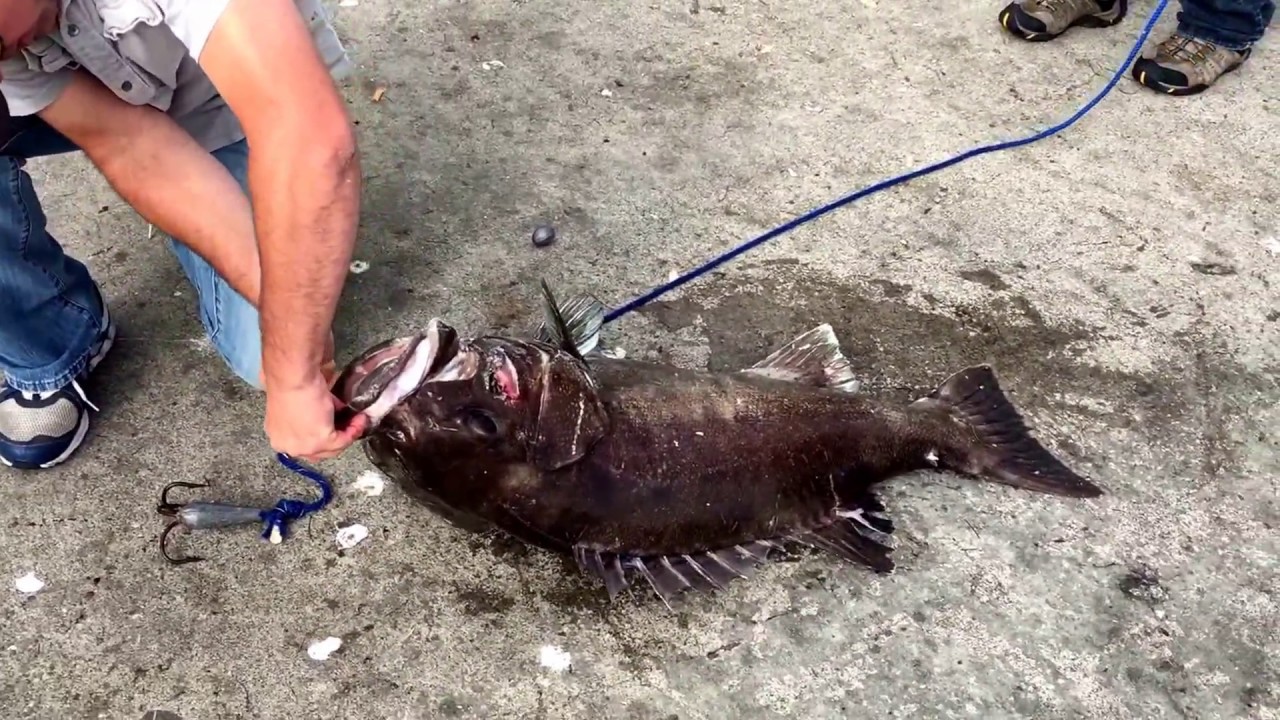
(386,374)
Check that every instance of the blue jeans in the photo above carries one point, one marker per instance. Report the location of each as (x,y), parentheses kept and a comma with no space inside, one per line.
(1232,24)
(51,311)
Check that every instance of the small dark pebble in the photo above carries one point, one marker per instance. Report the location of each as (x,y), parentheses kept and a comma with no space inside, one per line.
(1143,583)
(544,235)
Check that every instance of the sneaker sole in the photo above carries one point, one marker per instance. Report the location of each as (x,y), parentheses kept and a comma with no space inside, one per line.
(1010,26)
(82,429)
(1147,79)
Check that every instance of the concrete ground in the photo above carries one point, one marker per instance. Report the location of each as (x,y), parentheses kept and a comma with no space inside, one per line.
(1122,277)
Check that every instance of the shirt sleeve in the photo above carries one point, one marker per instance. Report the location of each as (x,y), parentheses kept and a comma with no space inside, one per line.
(28,91)
(192,20)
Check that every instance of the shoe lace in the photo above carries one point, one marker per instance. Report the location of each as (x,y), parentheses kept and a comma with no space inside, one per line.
(1054,5)
(75,385)
(1188,49)
(79,391)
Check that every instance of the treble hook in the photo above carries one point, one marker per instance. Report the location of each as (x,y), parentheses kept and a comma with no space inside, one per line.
(201,516)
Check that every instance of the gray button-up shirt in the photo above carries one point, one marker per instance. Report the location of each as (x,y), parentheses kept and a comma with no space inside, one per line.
(145,51)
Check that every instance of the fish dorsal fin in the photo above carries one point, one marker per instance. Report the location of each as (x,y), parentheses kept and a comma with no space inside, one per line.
(814,358)
(574,326)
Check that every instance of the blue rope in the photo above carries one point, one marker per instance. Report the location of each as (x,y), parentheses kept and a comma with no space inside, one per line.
(885,184)
(286,510)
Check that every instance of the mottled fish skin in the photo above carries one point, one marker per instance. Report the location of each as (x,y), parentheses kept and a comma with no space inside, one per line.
(690,479)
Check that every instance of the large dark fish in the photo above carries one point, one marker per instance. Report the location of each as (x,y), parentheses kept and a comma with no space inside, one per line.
(688,478)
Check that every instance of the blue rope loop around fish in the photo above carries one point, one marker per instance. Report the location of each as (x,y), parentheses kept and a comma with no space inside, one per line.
(818,212)
(277,519)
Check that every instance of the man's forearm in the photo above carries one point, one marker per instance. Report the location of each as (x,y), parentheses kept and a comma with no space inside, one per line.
(180,188)
(306,196)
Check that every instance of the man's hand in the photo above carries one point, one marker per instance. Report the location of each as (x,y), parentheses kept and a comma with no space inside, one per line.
(292,422)
(311,441)
(304,173)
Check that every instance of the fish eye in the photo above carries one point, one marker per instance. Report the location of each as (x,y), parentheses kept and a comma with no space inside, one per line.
(479,421)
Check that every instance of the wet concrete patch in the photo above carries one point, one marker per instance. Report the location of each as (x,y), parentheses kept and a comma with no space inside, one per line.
(902,351)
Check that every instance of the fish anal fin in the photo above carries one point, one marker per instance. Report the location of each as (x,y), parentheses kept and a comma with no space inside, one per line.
(813,358)
(860,532)
(840,539)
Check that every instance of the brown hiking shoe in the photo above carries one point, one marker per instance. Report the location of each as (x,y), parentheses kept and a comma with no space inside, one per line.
(1041,20)
(1185,66)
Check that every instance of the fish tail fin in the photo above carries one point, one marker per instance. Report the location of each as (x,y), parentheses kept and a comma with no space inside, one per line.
(1006,452)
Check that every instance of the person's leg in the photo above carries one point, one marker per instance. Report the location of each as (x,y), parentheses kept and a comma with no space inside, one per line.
(1232,24)
(54,324)
(1213,38)
(230,320)
(1043,20)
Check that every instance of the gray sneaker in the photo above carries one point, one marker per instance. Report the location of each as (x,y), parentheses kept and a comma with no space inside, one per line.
(1181,65)
(40,430)
(1042,20)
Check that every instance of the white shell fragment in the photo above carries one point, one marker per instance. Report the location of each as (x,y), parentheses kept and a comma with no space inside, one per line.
(370,483)
(350,536)
(358,266)
(322,649)
(554,659)
(614,354)
(28,584)
(348,3)
(492,65)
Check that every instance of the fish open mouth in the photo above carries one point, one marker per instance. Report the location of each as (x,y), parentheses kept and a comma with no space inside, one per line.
(387,373)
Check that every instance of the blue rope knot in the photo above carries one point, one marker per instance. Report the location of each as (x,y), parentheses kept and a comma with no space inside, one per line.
(276,520)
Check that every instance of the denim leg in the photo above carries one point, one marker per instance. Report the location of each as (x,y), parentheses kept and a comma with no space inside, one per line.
(230,320)
(51,311)
(1232,24)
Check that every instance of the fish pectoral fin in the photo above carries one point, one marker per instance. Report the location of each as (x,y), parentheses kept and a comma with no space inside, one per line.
(574,325)
(814,358)
(860,533)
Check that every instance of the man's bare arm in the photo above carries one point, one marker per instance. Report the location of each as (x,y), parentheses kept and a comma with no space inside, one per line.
(304,175)
(164,174)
